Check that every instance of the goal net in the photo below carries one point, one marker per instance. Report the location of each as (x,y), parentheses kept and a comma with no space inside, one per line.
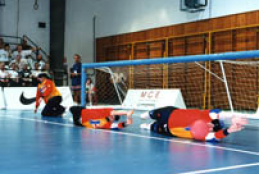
(231,85)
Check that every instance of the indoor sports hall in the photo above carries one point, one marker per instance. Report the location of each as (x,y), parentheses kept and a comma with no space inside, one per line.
(119,86)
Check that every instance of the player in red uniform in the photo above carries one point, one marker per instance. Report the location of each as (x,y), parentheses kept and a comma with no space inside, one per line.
(100,118)
(206,125)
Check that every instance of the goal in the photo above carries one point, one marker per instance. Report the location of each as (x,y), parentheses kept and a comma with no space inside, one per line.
(228,81)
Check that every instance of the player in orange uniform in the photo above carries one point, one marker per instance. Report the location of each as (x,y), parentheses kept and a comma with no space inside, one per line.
(47,91)
(100,118)
(206,125)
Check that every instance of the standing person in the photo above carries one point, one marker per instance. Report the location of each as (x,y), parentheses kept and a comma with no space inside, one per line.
(47,91)
(100,118)
(75,74)
(200,125)
(90,90)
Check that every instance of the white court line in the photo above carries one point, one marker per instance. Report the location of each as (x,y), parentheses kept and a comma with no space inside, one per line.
(141,136)
(222,169)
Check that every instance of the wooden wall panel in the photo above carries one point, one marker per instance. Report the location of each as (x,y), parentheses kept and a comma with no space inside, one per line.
(156,49)
(111,53)
(222,42)
(189,77)
(177,47)
(246,39)
(222,23)
(140,73)
(229,33)
(124,52)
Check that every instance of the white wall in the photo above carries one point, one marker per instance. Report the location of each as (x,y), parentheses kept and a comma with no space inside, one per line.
(18,17)
(228,7)
(123,16)
(113,17)
(79,29)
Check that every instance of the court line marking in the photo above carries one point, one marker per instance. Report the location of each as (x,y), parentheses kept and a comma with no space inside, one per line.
(222,169)
(140,136)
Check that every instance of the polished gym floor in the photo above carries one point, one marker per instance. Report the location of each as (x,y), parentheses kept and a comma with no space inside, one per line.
(37,145)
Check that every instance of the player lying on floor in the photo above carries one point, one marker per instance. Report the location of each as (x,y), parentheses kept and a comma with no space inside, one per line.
(206,125)
(100,118)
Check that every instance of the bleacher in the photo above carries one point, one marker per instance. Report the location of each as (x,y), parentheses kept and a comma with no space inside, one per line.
(21,60)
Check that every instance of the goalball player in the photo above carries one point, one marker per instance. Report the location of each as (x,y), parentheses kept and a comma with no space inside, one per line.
(100,118)
(47,91)
(206,125)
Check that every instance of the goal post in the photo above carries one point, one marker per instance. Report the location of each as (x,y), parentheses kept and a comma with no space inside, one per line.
(228,81)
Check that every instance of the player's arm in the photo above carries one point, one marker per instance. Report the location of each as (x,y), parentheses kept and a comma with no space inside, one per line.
(38,99)
(219,116)
(122,112)
(216,136)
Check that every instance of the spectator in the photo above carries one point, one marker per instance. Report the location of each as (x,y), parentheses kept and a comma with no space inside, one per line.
(90,90)
(34,74)
(21,52)
(25,75)
(3,55)
(46,69)
(13,75)
(19,61)
(75,74)
(25,45)
(8,51)
(40,61)
(3,76)
(30,62)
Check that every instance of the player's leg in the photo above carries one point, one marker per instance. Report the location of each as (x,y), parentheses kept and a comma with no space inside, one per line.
(156,127)
(53,107)
(161,114)
(76,112)
(57,104)
(47,110)
(76,96)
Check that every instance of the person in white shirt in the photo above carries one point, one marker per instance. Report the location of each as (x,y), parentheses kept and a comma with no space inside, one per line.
(4,76)
(3,55)
(25,75)
(13,75)
(8,52)
(34,74)
(40,61)
(21,52)
(19,61)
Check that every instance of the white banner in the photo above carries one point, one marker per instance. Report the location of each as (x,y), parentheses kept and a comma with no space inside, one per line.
(148,99)
(11,96)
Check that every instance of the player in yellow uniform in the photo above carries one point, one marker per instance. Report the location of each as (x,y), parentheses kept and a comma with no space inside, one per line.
(47,91)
